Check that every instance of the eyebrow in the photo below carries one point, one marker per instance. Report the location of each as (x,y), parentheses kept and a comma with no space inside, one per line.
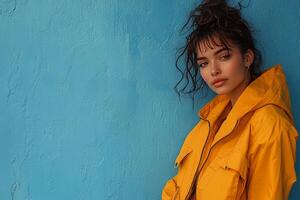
(218,51)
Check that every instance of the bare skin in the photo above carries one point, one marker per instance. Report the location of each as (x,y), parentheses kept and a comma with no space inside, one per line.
(229,64)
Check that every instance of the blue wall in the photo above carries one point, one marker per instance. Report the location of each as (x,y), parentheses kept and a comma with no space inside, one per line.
(86,99)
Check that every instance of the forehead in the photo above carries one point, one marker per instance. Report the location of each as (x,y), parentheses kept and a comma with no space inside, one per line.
(212,43)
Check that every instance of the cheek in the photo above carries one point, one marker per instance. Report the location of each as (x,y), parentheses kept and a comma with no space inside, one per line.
(240,72)
(204,75)
(235,69)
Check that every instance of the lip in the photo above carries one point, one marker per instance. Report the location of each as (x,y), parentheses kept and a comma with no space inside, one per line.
(219,82)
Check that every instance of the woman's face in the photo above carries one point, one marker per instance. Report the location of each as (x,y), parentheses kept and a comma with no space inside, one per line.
(227,65)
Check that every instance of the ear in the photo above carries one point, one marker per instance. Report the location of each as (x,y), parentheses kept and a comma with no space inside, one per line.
(248,57)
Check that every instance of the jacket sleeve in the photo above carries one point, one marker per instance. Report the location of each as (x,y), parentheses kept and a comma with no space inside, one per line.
(271,163)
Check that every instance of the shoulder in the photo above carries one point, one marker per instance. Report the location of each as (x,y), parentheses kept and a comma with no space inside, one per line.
(269,123)
(271,112)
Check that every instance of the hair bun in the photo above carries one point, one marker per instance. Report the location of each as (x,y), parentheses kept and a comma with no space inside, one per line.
(214,3)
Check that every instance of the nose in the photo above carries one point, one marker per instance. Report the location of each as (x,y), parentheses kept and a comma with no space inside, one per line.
(215,70)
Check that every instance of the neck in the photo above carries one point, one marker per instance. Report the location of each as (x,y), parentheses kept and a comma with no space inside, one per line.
(234,95)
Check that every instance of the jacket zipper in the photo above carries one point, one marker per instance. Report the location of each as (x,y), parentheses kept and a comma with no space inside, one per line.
(198,172)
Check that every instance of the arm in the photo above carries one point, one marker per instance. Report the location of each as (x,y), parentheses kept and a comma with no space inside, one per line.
(271,171)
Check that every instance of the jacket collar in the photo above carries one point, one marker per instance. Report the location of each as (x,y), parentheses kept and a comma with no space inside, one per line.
(269,88)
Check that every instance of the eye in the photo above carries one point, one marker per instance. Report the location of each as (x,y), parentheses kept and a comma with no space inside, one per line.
(201,65)
(225,57)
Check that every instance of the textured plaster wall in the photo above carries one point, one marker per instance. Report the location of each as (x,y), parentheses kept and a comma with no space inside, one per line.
(86,100)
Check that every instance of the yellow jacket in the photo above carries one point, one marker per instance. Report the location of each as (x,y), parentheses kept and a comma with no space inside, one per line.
(253,153)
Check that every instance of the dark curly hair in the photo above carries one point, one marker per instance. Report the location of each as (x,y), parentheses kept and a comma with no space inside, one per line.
(213,18)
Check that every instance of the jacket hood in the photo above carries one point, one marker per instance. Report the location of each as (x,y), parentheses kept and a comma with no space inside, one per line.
(269,88)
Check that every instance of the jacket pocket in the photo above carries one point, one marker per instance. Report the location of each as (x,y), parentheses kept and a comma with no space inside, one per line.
(237,162)
(182,155)
(170,190)
(182,162)
(228,174)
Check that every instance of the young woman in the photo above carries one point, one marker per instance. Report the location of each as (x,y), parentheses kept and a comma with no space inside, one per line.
(244,146)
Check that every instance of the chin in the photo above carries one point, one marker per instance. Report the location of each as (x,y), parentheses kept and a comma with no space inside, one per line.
(222,90)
